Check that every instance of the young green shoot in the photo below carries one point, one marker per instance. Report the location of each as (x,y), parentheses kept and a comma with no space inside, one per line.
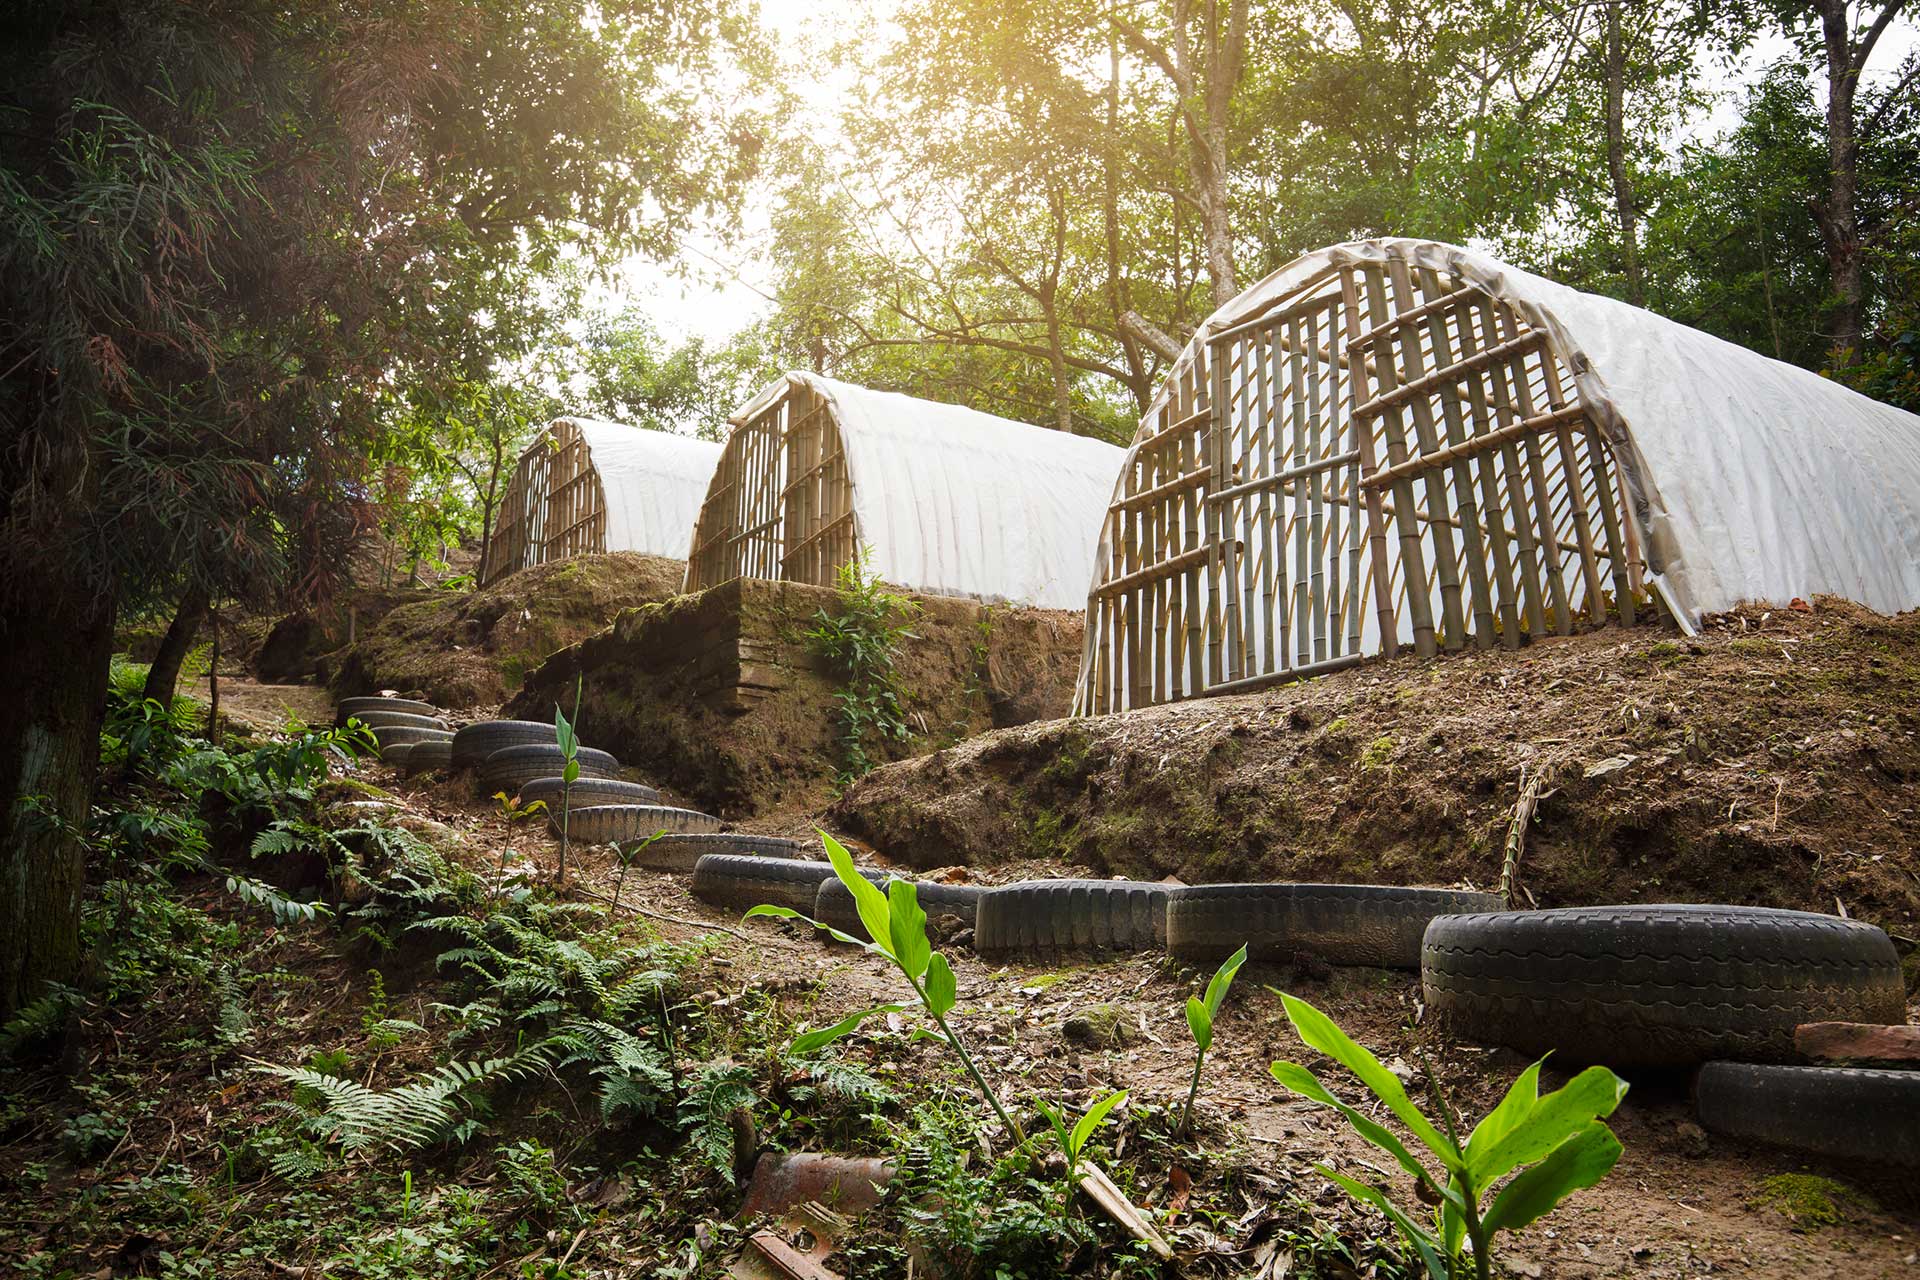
(1200,1015)
(514,812)
(570,751)
(1557,1141)
(626,852)
(1073,1142)
(898,927)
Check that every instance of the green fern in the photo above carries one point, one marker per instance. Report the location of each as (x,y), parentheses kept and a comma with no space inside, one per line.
(635,1075)
(415,1114)
(706,1113)
(840,1082)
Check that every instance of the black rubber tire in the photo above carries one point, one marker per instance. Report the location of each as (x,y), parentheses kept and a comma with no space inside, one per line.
(1656,986)
(399,720)
(396,755)
(432,754)
(833,905)
(511,768)
(743,882)
(1046,918)
(588,791)
(392,735)
(683,852)
(411,706)
(474,743)
(1844,1113)
(1339,923)
(607,823)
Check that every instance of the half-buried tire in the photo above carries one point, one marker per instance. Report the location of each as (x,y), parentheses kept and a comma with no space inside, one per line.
(398,719)
(1846,1113)
(833,905)
(354,706)
(511,768)
(393,735)
(683,852)
(428,755)
(740,882)
(609,823)
(396,755)
(474,743)
(588,791)
(1656,986)
(1340,923)
(1046,918)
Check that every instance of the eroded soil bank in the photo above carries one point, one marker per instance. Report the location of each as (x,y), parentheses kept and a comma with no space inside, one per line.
(1769,761)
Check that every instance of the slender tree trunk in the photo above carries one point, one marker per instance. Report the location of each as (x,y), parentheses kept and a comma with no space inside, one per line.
(163,677)
(1624,206)
(58,649)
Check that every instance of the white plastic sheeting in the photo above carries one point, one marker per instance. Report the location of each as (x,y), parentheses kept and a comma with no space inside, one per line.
(653,482)
(1754,480)
(953,501)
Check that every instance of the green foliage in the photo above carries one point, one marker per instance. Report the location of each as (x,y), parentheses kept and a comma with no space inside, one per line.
(898,929)
(706,1113)
(1200,1015)
(570,751)
(1557,1142)
(1073,1140)
(416,1114)
(861,642)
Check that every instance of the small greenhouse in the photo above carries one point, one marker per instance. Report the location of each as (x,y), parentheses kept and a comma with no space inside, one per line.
(947,500)
(1397,443)
(584,487)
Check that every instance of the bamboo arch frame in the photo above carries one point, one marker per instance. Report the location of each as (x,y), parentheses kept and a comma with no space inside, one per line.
(1380,424)
(781,502)
(554,506)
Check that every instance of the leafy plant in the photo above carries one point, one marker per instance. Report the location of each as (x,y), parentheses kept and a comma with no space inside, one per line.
(570,751)
(412,1115)
(707,1113)
(1073,1142)
(1557,1141)
(1200,1015)
(515,813)
(898,928)
(861,641)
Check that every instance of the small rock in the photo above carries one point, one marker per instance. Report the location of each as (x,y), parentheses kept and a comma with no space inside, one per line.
(1690,1138)
(944,928)
(1310,967)
(962,940)
(1103,1026)
(1519,1266)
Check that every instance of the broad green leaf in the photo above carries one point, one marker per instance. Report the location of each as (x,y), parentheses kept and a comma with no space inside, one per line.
(1303,1082)
(1453,1226)
(1579,1162)
(1058,1123)
(1319,1031)
(1422,1241)
(1200,1022)
(563,732)
(875,913)
(1223,979)
(1091,1121)
(820,1039)
(572,772)
(908,925)
(788,913)
(941,986)
(1591,1095)
(1513,1108)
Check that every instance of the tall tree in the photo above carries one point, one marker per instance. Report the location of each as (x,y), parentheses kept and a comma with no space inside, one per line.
(225,222)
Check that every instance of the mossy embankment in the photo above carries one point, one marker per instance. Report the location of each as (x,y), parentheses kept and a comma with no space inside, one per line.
(1771,760)
(720,695)
(471,649)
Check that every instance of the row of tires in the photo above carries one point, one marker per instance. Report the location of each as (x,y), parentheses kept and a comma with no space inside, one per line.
(1670,986)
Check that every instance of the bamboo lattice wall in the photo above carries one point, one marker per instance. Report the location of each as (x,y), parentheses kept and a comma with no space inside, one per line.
(1380,457)
(781,503)
(553,508)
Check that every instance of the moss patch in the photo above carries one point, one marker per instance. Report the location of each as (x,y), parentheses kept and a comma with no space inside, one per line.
(1811,1202)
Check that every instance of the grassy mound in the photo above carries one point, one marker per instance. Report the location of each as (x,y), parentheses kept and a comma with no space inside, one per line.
(474,649)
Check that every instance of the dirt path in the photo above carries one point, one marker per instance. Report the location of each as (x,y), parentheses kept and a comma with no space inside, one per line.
(1680,1203)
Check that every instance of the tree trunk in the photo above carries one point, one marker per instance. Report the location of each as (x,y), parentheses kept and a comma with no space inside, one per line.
(163,677)
(1837,213)
(1623,202)
(58,649)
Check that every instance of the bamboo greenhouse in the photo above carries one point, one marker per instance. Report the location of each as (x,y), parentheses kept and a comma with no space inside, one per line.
(584,487)
(1402,444)
(945,500)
